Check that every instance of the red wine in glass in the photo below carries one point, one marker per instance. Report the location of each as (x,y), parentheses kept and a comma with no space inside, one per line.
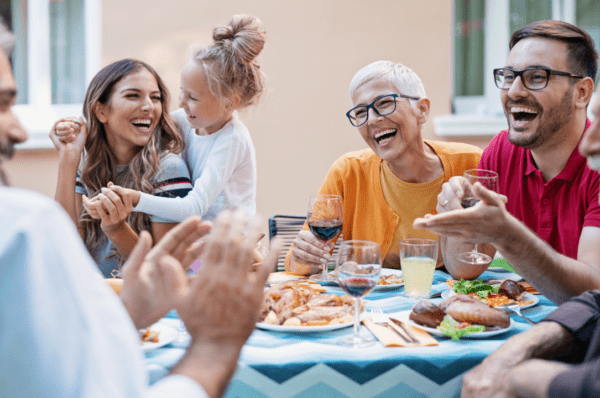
(357,287)
(325,230)
(469,202)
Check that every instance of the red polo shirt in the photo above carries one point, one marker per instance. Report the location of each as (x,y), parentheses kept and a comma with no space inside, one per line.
(556,210)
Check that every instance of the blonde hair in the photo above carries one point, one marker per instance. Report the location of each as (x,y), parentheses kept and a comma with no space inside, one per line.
(230,63)
(404,79)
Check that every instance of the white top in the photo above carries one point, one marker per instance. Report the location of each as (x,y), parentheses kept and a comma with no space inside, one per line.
(223,168)
(63,332)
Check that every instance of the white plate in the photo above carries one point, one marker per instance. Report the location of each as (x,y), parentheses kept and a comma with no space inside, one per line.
(306,329)
(384,272)
(166,335)
(476,335)
(526,297)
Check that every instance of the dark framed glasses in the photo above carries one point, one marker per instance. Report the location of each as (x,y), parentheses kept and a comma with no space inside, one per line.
(382,106)
(532,78)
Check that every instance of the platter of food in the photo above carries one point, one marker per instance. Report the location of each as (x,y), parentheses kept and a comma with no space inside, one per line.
(156,336)
(496,295)
(474,335)
(390,279)
(460,316)
(302,307)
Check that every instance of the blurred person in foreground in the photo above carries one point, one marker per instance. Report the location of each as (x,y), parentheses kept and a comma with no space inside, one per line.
(397,179)
(549,229)
(63,331)
(528,365)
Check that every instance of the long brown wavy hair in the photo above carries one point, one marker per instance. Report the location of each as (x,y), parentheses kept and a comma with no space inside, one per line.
(99,164)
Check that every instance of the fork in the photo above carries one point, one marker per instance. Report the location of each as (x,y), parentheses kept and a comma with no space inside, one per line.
(379,318)
(516,308)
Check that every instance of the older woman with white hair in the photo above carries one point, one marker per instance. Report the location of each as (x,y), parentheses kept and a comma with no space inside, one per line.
(397,179)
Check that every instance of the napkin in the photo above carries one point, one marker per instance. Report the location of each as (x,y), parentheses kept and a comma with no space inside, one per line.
(390,338)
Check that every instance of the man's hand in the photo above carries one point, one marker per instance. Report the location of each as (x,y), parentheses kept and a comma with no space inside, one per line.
(148,284)
(482,223)
(219,306)
(309,254)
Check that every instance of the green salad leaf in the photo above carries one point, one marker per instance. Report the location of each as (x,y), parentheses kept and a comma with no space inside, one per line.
(479,287)
(448,327)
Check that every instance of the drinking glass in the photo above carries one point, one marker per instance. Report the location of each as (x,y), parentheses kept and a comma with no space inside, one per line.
(358,268)
(325,217)
(418,258)
(489,179)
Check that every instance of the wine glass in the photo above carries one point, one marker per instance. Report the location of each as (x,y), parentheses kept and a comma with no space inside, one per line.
(358,268)
(325,217)
(489,179)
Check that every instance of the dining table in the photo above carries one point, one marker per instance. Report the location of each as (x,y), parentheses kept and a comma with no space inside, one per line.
(313,364)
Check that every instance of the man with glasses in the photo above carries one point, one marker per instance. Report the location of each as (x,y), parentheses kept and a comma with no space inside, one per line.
(384,188)
(560,356)
(549,228)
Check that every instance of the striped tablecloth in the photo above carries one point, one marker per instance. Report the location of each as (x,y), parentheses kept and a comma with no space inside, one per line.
(274,364)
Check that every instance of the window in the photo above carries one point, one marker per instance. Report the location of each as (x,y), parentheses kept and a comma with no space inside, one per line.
(482,31)
(56,55)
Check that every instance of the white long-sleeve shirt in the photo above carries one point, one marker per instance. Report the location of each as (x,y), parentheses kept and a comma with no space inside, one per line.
(223,169)
(63,332)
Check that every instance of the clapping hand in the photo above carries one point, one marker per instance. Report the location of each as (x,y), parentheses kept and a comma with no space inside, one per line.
(150,276)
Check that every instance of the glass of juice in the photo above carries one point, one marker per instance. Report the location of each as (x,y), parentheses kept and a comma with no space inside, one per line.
(418,258)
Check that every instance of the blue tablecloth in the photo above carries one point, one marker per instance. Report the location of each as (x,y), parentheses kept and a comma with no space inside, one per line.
(274,364)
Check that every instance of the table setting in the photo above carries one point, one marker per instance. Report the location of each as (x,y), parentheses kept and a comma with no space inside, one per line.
(307,361)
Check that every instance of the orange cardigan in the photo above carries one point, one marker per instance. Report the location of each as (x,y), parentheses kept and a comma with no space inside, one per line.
(356,177)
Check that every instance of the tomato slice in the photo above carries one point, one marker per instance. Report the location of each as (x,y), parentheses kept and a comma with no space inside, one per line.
(462,325)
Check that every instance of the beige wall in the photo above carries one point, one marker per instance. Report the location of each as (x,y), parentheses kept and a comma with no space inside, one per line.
(313,49)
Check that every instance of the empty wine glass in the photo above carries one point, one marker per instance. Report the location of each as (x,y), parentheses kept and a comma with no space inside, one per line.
(325,217)
(489,179)
(358,268)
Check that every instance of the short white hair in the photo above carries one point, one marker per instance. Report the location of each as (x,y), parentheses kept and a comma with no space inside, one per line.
(7,39)
(404,79)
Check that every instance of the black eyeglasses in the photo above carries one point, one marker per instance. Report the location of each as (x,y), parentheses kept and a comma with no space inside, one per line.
(532,78)
(382,106)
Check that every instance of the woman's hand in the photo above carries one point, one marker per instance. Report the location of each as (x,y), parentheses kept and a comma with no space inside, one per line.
(309,253)
(69,135)
(451,195)
(109,207)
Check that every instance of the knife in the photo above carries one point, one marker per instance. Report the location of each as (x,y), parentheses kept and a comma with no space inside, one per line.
(397,324)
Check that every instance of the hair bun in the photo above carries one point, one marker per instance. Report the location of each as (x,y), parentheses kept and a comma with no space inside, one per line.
(244,36)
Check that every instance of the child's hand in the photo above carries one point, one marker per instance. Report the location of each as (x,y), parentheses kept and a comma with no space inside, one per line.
(130,195)
(109,207)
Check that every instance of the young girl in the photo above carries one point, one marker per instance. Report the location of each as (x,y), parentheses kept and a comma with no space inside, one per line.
(129,139)
(218,80)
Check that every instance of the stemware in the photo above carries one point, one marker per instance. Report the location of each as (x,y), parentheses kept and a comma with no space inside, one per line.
(489,179)
(325,217)
(358,268)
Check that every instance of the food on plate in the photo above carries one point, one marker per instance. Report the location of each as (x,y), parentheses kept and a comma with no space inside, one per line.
(115,283)
(459,315)
(496,295)
(149,335)
(427,314)
(390,279)
(512,290)
(302,304)
(465,308)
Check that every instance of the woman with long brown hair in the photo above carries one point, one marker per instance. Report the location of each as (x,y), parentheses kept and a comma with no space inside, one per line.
(130,140)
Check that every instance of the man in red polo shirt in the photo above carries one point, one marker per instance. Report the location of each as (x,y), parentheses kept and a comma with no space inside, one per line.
(549,228)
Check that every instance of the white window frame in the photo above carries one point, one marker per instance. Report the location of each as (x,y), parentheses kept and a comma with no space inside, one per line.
(39,114)
(482,116)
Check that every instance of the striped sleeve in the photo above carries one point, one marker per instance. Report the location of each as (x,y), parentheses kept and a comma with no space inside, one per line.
(79,187)
(172,180)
